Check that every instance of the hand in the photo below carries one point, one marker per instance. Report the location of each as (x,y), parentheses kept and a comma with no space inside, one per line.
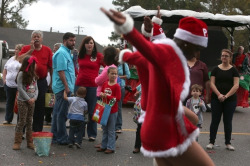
(207,99)
(221,97)
(114,16)
(31,101)
(200,104)
(32,46)
(148,25)
(158,11)
(67,90)
(103,95)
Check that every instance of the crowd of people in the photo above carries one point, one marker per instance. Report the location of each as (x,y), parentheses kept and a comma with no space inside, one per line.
(171,76)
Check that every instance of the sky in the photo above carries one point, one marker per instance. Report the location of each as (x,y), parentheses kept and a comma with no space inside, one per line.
(67,15)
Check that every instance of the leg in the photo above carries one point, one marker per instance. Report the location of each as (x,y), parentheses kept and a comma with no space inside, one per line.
(59,119)
(118,125)
(138,139)
(38,116)
(217,108)
(48,112)
(195,155)
(111,131)
(10,96)
(23,109)
(29,126)
(71,137)
(79,133)
(229,108)
(138,136)
(54,120)
(91,100)
(104,137)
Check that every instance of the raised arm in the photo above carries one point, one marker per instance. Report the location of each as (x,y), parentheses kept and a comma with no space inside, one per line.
(124,25)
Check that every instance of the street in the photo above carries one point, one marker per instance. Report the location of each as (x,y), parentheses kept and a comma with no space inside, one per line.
(123,156)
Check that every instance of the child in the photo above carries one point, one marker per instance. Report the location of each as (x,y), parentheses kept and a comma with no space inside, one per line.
(28,91)
(196,104)
(110,90)
(137,111)
(78,107)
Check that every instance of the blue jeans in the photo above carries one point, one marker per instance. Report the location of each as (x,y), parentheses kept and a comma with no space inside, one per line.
(76,129)
(218,108)
(91,100)
(118,125)
(59,119)
(108,136)
(10,95)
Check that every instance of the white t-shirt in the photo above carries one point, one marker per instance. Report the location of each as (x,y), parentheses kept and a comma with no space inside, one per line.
(12,66)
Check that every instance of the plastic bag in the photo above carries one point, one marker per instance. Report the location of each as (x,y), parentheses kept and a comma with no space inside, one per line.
(42,142)
(49,100)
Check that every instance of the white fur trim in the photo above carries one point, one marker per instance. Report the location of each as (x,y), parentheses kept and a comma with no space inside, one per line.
(126,27)
(122,52)
(157,20)
(142,116)
(160,36)
(179,150)
(191,38)
(145,33)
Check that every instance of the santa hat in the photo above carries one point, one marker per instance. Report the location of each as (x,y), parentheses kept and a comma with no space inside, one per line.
(193,31)
(157,32)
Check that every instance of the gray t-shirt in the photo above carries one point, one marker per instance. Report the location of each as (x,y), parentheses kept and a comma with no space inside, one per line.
(77,107)
(26,92)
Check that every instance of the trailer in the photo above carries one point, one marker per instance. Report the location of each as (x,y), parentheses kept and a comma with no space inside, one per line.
(217,40)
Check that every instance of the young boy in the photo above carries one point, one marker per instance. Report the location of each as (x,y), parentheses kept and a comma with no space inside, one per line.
(78,107)
(196,104)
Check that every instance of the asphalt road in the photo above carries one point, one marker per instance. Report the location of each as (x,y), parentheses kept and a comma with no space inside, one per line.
(87,156)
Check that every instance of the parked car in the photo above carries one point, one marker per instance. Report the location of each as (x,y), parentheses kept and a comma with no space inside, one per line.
(4,56)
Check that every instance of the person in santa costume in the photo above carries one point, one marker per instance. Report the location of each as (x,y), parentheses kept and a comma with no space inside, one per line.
(166,132)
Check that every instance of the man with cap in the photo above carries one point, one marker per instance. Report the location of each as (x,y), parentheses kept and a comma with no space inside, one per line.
(166,133)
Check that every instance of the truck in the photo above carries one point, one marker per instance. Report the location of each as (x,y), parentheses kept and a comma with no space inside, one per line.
(4,56)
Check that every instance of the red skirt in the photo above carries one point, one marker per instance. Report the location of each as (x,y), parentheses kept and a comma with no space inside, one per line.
(242,97)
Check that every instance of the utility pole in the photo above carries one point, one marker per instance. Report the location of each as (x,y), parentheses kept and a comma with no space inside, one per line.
(79,29)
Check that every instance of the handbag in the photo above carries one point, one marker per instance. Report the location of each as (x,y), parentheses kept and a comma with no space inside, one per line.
(49,100)
(102,111)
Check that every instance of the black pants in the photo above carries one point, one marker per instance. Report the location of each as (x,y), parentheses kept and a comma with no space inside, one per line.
(138,136)
(48,112)
(218,108)
(38,116)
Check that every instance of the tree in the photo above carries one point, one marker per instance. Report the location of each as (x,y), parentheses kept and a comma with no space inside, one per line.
(226,7)
(10,13)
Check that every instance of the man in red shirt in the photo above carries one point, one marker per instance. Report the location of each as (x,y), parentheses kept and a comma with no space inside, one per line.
(44,65)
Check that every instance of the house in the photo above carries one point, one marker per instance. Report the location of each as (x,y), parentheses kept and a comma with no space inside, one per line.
(21,36)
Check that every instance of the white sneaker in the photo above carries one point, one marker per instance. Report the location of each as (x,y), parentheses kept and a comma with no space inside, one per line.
(210,146)
(230,147)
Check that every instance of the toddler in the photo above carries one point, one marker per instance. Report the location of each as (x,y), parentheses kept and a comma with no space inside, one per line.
(77,108)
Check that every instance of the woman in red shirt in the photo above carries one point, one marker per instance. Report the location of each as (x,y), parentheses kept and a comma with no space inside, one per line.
(89,61)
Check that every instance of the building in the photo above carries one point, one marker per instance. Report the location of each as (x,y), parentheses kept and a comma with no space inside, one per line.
(21,36)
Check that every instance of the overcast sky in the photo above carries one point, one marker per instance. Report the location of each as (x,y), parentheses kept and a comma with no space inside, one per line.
(66,15)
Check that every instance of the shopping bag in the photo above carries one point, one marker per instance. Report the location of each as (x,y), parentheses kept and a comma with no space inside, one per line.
(49,100)
(15,109)
(42,142)
(137,110)
(102,111)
